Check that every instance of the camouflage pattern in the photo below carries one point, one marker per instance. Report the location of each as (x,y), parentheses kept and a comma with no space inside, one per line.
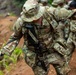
(72,35)
(44,35)
(43,0)
(49,32)
(60,4)
(68,4)
(62,29)
(44,3)
(57,2)
(60,13)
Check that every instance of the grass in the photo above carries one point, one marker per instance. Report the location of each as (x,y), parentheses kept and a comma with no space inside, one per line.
(1,73)
(4,64)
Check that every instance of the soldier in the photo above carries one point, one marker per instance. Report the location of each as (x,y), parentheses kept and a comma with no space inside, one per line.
(72,6)
(61,25)
(34,25)
(72,35)
(37,34)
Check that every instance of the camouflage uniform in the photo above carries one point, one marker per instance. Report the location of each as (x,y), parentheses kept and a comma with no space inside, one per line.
(44,3)
(72,36)
(68,4)
(42,29)
(59,3)
(61,25)
(38,60)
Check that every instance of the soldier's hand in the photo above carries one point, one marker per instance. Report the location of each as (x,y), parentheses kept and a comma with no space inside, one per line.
(1,56)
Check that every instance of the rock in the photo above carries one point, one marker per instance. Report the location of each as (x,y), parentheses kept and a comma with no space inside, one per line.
(8,6)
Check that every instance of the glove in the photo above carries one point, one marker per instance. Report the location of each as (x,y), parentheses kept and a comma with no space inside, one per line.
(1,56)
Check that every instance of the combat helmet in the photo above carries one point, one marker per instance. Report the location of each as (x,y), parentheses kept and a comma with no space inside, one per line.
(32,11)
(57,2)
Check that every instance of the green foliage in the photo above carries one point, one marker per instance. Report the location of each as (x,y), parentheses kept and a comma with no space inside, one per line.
(1,73)
(50,1)
(16,54)
(4,64)
(19,3)
(12,14)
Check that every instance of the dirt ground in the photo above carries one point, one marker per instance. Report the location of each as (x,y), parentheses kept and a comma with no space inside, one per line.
(6,29)
(21,68)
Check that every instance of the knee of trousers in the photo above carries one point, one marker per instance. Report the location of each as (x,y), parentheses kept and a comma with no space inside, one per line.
(61,70)
(54,59)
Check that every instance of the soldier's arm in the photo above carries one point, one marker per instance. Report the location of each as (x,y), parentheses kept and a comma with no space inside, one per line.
(72,35)
(14,39)
(61,14)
